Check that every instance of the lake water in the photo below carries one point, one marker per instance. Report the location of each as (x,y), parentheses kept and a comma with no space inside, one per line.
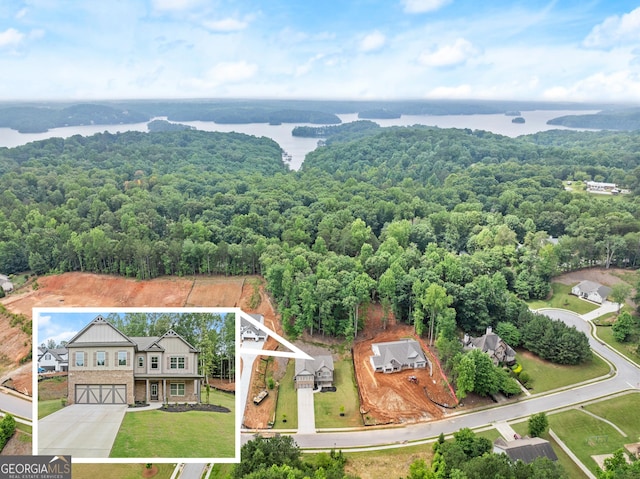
(298,147)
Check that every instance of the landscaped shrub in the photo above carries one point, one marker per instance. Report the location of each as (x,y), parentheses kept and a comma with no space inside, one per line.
(7,428)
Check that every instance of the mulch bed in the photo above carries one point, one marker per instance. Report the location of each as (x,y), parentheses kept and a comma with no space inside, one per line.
(194,407)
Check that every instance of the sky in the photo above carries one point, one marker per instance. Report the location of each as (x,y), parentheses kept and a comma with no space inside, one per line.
(573,50)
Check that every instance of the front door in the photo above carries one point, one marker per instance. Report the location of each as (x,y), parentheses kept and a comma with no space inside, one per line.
(154,391)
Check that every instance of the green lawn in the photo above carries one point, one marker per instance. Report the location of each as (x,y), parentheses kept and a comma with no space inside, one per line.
(547,376)
(118,471)
(328,404)
(563,300)
(287,401)
(48,407)
(167,434)
(628,349)
(587,436)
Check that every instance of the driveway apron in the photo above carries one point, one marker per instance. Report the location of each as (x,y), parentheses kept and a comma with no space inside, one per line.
(81,430)
(306,412)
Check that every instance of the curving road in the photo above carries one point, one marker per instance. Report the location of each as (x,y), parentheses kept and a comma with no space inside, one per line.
(625,376)
(15,404)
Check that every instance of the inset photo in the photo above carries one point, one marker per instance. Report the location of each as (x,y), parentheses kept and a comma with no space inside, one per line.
(136,383)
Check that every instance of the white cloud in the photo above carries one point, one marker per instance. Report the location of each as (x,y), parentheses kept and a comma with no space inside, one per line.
(422,6)
(10,37)
(21,13)
(224,73)
(306,67)
(372,42)
(448,55)
(600,86)
(450,92)
(615,30)
(175,5)
(226,25)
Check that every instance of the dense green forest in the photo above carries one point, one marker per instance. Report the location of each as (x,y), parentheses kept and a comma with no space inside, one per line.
(447,229)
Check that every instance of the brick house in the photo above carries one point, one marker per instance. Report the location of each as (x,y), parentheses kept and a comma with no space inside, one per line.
(109,367)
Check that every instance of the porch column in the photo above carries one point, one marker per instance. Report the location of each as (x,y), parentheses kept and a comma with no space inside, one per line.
(164,390)
(147,398)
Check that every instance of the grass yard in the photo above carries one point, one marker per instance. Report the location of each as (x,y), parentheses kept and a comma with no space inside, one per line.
(587,436)
(622,411)
(328,405)
(387,463)
(563,300)
(287,400)
(118,471)
(48,407)
(628,349)
(168,434)
(547,376)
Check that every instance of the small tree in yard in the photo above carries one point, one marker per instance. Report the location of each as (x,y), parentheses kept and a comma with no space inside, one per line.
(619,293)
(538,424)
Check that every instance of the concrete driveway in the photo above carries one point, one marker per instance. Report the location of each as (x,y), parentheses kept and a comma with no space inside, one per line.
(81,430)
(306,412)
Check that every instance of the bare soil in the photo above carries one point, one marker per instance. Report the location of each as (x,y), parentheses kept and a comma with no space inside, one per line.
(20,444)
(194,407)
(607,277)
(52,387)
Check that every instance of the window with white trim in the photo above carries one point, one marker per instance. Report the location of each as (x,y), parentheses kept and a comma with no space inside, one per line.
(177,389)
(80,358)
(176,362)
(140,361)
(101,358)
(122,358)
(154,362)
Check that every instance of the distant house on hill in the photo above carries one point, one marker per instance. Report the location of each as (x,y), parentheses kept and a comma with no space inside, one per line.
(491,344)
(395,356)
(526,450)
(249,331)
(314,373)
(591,291)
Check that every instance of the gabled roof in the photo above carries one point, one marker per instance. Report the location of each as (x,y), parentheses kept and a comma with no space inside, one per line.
(401,352)
(100,320)
(309,366)
(146,343)
(526,450)
(593,287)
(57,353)
(172,334)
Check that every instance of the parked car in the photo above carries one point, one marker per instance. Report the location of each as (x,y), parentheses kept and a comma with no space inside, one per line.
(41,370)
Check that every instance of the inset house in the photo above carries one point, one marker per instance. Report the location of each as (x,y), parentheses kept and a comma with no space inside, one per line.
(591,291)
(491,344)
(397,355)
(108,367)
(526,450)
(316,373)
(54,360)
(249,331)
(5,284)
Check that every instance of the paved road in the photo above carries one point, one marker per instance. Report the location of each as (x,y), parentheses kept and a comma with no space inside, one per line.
(81,430)
(15,405)
(626,376)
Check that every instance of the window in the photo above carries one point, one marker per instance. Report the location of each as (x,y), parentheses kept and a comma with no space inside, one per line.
(47,357)
(140,361)
(177,389)
(80,358)
(101,358)
(122,358)
(154,362)
(176,362)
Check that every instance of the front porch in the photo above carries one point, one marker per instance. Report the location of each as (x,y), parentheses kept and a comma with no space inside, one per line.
(167,390)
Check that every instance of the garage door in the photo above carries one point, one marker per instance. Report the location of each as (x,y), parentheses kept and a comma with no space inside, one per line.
(101,394)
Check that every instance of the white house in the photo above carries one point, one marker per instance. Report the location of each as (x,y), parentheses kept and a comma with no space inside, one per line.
(53,359)
(591,291)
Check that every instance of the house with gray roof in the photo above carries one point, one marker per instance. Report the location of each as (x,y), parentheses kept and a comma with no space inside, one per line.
(591,291)
(249,331)
(54,359)
(490,343)
(395,356)
(314,373)
(526,450)
(5,284)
